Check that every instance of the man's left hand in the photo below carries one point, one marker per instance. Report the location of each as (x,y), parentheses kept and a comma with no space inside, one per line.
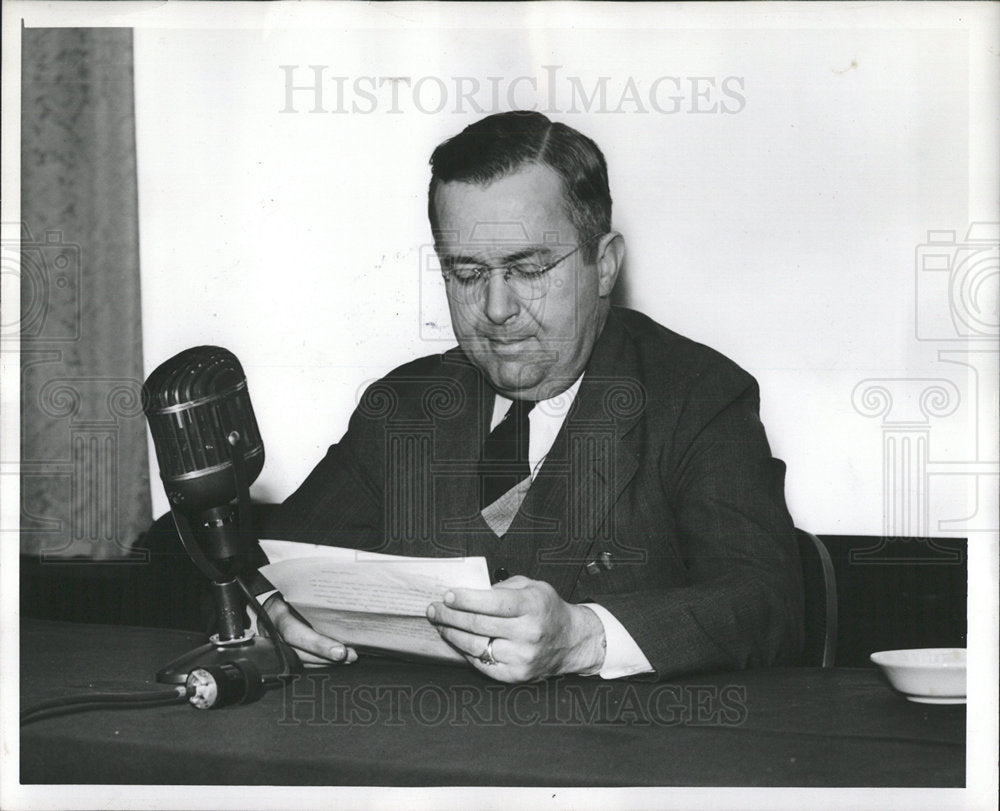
(535,633)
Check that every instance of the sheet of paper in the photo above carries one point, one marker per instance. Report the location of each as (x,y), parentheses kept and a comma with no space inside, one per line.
(371,601)
(405,637)
(278,551)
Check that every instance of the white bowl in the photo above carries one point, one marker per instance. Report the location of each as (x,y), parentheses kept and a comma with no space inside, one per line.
(925,675)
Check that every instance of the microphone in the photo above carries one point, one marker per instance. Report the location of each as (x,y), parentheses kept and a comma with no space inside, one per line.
(194,402)
(198,408)
(210,451)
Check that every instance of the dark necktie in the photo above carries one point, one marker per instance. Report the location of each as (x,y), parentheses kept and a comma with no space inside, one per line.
(504,462)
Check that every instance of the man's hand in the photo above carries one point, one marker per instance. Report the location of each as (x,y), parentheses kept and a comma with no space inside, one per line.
(535,633)
(312,647)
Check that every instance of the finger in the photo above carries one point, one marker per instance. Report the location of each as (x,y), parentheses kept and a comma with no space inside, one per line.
(497,602)
(315,648)
(285,629)
(312,645)
(502,670)
(480,624)
(507,666)
(518,581)
(311,661)
(473,645)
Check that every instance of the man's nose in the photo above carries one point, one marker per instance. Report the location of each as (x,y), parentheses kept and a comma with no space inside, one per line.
(500,303)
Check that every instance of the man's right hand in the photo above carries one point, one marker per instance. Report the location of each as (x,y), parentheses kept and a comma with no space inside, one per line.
(312,647)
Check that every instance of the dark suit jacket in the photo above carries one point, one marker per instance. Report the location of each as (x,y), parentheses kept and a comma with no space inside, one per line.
(662,462)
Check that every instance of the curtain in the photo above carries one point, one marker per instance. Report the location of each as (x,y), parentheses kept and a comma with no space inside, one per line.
(84,466)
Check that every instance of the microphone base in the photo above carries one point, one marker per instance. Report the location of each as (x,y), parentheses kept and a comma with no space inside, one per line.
(257,650)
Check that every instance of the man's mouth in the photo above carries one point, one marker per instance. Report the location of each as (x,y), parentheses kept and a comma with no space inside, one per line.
(508,347)
(509,340)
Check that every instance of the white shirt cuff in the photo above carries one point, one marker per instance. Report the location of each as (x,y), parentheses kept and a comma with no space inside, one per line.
(623,657)
(261,599)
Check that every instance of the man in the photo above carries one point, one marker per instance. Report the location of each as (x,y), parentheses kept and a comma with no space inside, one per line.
(615,474)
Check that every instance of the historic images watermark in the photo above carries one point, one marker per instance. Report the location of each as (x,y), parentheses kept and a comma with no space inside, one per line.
(419,470)
(957,285)
(80,473)
(956,290)
(47,271)
(322,699)
(320,89)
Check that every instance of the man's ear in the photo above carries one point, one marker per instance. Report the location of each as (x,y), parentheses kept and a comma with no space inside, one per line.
(610,257)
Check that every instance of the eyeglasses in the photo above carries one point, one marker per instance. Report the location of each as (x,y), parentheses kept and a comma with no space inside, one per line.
(526,279)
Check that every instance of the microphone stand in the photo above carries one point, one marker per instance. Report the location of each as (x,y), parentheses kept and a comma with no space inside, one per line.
(233,642)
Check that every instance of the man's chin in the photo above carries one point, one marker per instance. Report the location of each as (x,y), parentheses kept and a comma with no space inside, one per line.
(516,380)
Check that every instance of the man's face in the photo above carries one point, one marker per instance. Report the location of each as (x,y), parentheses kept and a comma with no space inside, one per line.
(534,346)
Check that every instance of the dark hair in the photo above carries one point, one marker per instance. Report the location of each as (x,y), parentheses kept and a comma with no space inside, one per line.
(503,143)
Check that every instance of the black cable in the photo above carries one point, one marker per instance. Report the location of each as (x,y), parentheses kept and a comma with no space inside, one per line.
(279,643)
(151,698)
(70,704)
(84,706)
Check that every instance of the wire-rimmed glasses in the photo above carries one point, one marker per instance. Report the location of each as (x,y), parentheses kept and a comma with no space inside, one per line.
(527,279)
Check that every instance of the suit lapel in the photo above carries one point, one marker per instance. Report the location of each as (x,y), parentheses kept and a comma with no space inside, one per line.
(460,529)
(569,506)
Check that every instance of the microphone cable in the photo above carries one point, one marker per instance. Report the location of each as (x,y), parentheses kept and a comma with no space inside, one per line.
(235,682)
(96,701)
(288,669)
(209,449)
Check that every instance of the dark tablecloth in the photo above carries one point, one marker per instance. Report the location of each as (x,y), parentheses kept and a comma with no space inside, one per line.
(383,722)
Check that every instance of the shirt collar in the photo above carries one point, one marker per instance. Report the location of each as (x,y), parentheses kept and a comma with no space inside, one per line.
(545,420)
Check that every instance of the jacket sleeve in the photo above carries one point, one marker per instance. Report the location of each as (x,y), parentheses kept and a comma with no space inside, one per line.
(340,502)
(742,603)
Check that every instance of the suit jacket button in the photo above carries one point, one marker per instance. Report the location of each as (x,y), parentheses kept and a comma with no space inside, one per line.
(500,574)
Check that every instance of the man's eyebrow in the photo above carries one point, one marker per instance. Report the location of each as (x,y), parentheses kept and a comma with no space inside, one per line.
(516,256)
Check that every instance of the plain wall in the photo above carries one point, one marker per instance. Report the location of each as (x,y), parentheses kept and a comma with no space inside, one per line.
(782,227)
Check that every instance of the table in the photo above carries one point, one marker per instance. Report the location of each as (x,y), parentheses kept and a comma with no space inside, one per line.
(385,722)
